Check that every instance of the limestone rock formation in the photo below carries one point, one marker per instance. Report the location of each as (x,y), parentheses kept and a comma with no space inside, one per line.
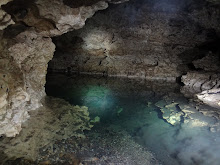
(210,97)
(5,19)
(201,85)
(195,82)
(26,48)
(23,69)
(146,39)
(65,17)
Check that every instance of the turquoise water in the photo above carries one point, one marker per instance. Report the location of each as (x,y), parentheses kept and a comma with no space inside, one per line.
(132,106)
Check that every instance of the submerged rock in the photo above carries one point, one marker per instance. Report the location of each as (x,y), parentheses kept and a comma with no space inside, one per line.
(56,120)
(5,18)
(170,112)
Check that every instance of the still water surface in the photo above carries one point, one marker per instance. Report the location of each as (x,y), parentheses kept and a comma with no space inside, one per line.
(133,106)
(135,122)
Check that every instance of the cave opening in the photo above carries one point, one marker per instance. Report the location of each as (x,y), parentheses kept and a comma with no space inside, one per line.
(137,84)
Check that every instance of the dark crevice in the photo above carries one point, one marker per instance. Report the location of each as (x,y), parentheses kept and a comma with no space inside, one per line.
(14,30)
(178,80)
(76,4)
(22,11)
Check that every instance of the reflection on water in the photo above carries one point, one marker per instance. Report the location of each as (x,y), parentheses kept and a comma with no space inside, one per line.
(135,122)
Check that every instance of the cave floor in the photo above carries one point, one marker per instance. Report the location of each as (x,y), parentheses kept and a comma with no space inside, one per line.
(135,122)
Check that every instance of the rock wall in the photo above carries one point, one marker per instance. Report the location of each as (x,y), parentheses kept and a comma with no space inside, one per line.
(142,38)
(23,70)
(4,17)
(25,50)
(203,85)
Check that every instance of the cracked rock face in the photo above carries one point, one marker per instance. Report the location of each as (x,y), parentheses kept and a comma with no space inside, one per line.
(65,17)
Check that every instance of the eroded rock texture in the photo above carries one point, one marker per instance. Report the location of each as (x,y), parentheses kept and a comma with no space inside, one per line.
(210,97)
(195,82)
(23,69)
(147,39)
(5,19)
(25,50)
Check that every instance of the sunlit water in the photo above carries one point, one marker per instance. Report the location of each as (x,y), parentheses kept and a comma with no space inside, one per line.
(130,105)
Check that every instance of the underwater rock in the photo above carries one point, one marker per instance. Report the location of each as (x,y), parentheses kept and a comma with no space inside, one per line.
(170,112)
(175,111)
(56,120)
(95,120)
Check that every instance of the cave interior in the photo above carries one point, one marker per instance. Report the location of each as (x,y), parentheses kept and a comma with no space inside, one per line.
(110,82)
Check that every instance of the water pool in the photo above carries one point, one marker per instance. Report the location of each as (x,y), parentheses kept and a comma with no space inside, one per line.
(135,122)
